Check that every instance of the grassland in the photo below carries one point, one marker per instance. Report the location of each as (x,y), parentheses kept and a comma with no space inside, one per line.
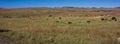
(60,25)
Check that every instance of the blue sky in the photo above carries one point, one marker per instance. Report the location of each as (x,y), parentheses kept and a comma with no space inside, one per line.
(58,3)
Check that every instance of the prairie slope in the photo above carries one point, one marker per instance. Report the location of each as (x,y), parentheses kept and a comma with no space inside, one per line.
(61,26)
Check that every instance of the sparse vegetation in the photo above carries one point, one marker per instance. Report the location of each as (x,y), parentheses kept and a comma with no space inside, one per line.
(60,25)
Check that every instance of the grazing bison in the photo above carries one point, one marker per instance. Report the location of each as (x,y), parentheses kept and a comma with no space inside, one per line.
(102,19)
(57,21)
(50,16)
(69,22)
(114,18)
(88,21)
(7,17)
(4,30)
(60,18)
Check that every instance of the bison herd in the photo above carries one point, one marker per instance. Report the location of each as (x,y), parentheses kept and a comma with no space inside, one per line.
(88,21)
(113,19)
(4,30)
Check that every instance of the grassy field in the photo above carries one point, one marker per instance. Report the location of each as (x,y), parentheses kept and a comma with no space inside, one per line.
(61,25)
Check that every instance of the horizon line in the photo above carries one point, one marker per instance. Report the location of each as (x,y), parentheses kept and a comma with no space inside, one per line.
(62,7)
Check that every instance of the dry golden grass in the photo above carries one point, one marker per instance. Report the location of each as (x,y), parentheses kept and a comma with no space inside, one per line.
(61,26)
